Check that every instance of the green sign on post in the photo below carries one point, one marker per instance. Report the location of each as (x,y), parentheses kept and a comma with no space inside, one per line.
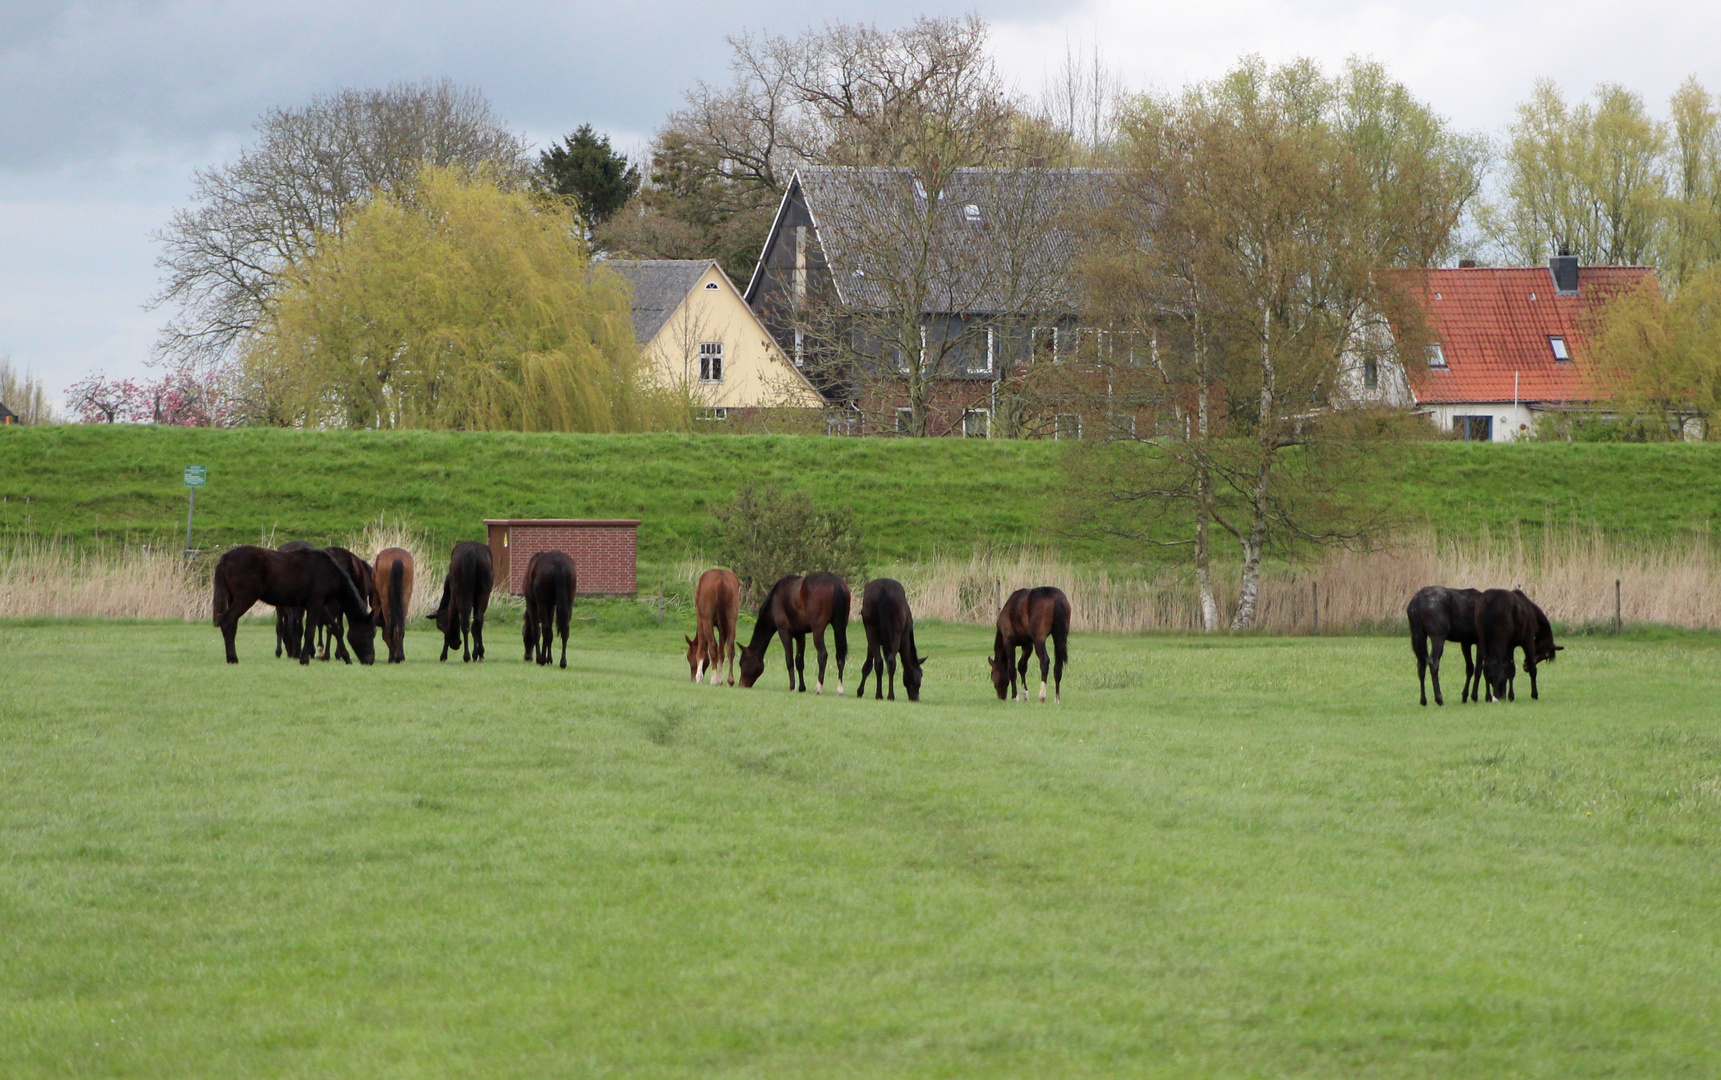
(195,475)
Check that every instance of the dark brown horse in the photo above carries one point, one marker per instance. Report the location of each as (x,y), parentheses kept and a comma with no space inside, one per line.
(796,607)
(717,604)
(549,598)
(889,635)
(290,622)
(1438,615)
(465,599)
(1505,622)
(391,598)
(310,581)
(1027,619)
(360,572)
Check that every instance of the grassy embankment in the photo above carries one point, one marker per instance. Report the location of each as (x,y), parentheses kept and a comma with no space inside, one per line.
(915,497)
(1242,857)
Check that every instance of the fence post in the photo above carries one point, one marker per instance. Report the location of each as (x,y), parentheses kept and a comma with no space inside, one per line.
(1315,599)
(1618,622)
(660,586)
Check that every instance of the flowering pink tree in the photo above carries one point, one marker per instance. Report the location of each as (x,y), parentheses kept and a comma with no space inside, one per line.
(187,394)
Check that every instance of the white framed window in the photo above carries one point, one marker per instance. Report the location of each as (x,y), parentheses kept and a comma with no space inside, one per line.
(983,358)
(1067,426)
(1558,345)
(904,421)
(712,415)
(976,424)
(711,286)
(1436,355)
(710,361)
(1371,374)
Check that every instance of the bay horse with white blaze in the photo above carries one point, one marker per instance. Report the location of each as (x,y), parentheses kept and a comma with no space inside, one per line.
(465,599)
(889,636)
(796,607)
(549,603)
(391,596)
(717,604)
(1027,619)
(311,581)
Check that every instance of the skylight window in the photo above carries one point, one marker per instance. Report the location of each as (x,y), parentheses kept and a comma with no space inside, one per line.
(1558,344)
(1436,355)
(971,212)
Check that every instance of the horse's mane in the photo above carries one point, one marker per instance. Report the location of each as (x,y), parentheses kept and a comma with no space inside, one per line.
(764,626)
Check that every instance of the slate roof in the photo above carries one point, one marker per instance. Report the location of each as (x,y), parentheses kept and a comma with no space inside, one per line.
(6,413)
(996,234)
(659,286)
(1494,324)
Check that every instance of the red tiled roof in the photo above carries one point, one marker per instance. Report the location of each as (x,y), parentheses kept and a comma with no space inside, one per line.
(1494,323)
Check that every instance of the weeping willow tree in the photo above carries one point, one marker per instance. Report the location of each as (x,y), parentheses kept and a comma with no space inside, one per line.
(457,306)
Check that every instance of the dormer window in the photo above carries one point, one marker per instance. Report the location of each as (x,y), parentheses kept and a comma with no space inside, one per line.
(1436,355)
(1558,345)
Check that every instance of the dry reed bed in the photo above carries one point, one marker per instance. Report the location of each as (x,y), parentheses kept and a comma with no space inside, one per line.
(1570,573)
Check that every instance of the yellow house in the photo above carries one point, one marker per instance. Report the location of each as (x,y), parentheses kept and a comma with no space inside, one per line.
(699,335)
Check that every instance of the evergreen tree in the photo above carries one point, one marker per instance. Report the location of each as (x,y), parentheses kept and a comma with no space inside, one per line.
(585,168)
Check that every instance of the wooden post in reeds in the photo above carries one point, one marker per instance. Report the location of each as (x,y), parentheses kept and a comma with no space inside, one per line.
(1618,622)
(1315,602)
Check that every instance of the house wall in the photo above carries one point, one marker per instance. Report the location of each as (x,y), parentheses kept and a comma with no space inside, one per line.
(756,373)
(605,552)
(1511,421)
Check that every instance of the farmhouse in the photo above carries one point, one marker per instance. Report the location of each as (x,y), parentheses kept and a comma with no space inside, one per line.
(1504,345)
(7,416)
(701,337)
(870,282)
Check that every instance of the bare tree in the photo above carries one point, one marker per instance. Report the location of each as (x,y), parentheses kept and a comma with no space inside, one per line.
(253,217)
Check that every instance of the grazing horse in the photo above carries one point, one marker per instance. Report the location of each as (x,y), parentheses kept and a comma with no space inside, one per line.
(360,572)
(390,597)
(717,602)
(310,580)
(796,607)
(1439,614)
(1505,622)
(549,596)
(1026,620)
(889,634)
(289,621)
(465,599)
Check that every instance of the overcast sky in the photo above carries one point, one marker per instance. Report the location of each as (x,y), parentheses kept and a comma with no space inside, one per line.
(106,106)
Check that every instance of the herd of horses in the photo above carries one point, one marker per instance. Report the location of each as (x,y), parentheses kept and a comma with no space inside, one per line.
(329,598)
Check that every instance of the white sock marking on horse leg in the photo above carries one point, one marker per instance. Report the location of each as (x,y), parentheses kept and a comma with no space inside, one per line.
(839,686)
(699,672)
(819,687)
(1042,690)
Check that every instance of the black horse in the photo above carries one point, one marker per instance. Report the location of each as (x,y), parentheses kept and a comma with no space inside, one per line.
(360,572)
(889,634)
(310,581)
(290,621)
(1505,622)
(465,599)
(550,582)
(796,607)
(1438,615)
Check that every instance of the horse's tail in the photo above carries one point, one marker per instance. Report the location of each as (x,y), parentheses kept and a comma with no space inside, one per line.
(566,584)
(223,594)
(396,595)
(840,625)
(1061,630)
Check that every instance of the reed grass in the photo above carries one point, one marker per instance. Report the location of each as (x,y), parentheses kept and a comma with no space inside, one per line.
(1570,572)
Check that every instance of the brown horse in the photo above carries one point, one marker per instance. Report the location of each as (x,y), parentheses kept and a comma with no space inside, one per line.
(311,581)
(717,600)
(290,622)
(550,584)
(465,599)
(360,572)
(1027,619)
(796,607)
(390,597)
(889,635)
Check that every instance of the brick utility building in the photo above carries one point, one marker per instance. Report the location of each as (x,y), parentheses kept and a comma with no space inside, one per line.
(605,551)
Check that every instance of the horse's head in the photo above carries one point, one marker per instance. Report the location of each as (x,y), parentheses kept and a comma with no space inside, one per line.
(1000,675)
(361,635)
(695,658)
(752,665)
(911,674)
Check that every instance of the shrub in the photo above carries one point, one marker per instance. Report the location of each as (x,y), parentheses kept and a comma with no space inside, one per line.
(769,532)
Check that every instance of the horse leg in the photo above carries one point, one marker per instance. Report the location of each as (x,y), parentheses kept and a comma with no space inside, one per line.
(229,626)
(477,634)
(335,634)
(1469,694)
(819,644)
(866,669)
(890,663)
(1022,669)
(1530,666)
(308,640)
(1434,656)
(463,618)
(528,636)
(1045,666)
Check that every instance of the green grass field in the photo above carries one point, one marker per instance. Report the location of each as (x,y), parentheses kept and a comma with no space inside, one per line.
(914,497)
(1219,857)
